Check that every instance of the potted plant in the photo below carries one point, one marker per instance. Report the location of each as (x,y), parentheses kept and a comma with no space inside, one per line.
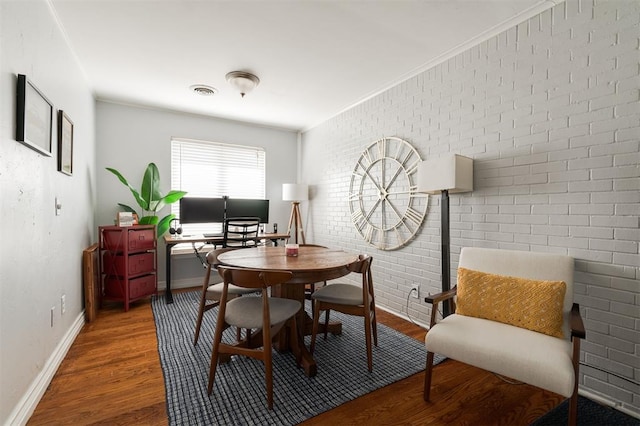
(150,199)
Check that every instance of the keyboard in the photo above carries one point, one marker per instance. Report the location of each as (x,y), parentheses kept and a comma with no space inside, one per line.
(213,235)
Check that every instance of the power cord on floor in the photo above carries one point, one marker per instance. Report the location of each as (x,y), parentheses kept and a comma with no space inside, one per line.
(511,382)
(407,309)
(409,315)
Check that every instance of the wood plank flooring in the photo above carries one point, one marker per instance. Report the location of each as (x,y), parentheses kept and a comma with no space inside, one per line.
(112,375)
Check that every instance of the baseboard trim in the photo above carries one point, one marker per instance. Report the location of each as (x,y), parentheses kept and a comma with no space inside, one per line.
(184,283)
(604,400)
(29,401)
(403,316)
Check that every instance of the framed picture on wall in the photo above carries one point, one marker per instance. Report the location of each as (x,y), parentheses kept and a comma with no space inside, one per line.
(65,143)
(34,117)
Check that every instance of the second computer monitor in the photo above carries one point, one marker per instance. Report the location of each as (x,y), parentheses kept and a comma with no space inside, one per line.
(239,207)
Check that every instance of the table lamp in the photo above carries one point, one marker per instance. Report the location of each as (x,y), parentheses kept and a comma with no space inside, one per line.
(451,173)
(295,192)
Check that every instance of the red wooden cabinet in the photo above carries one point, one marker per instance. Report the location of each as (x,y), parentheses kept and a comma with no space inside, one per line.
(128,262)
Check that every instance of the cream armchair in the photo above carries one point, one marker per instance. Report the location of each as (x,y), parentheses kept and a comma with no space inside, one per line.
(533,357)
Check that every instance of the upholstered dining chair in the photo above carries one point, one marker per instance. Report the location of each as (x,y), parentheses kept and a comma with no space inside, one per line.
(514,316)
(212,293)
(240,232)
(269,314)
(349,299)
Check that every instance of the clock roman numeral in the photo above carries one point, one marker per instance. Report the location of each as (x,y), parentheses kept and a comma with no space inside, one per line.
(368,233)
(414,216)
(358,219)
(367,156)
(382,148)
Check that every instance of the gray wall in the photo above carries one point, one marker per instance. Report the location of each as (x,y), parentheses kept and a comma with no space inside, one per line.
(40,258)
(549,111)
(131,137)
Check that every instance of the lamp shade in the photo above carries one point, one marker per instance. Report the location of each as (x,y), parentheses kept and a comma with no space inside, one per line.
(452,172)
(295,191)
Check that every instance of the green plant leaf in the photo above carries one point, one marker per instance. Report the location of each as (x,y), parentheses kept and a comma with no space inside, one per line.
(127,208)
(170,198)
(150,199)
(163,225)
(150,190)
(135,192)
(148,220)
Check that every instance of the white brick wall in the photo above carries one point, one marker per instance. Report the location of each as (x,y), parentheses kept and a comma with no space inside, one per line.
(550,112)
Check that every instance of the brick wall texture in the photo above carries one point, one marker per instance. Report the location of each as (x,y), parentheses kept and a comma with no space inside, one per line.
(549,110)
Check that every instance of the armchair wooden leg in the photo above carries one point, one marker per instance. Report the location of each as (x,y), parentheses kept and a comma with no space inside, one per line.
(427,376)
(573,410)
(573,403)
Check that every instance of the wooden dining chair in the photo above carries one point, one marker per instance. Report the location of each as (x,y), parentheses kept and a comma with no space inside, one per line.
(349,299)
(212,293)
(269,314)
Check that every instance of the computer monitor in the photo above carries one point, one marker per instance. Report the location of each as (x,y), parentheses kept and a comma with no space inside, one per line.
(201,210)
(239,207)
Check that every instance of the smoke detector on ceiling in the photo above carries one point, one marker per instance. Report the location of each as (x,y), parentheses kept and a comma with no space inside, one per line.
(204,90)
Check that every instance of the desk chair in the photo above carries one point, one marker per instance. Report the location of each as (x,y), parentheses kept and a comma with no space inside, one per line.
(270,314)
(240,232)
(213,293)
(349,299)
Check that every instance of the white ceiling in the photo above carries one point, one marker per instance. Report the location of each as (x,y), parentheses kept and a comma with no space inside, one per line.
(315,58)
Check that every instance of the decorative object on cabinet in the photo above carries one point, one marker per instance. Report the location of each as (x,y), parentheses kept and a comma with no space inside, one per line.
(150,199)
(34,117)
(295,192)
(385,206)
(126,219)
(128,262)
(65,143)
(452,173)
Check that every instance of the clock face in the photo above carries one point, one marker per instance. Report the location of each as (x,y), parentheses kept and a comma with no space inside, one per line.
(385,207)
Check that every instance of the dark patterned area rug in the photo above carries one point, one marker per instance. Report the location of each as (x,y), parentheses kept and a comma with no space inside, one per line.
(589,414)
(239,394)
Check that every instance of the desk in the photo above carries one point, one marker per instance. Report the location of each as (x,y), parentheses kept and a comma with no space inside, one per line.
(172,240)
(313,264)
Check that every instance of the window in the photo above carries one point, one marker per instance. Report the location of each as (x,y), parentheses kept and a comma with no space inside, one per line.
(211,169)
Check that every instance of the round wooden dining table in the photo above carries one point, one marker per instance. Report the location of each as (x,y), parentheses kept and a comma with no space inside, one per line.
(313,264)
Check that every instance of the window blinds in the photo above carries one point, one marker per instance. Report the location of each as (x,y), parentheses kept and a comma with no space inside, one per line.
(212,169)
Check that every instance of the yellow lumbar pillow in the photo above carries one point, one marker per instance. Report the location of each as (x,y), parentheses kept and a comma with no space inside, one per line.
(531,304)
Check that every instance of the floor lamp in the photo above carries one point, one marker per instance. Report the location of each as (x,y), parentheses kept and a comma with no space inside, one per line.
(295,192)
(449,174)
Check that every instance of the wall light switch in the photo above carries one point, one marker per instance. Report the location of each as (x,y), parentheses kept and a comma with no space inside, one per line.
(58,207)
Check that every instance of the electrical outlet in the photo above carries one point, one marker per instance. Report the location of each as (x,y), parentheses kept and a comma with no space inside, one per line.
(63,304)
(415,292)
(53,311)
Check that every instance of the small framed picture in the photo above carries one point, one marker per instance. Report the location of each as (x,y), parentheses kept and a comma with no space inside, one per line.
(65,144)
(34,117)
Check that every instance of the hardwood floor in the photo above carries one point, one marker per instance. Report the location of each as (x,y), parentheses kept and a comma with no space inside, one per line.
(112,375)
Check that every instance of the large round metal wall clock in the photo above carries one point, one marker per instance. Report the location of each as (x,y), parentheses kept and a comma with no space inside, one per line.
(386,208)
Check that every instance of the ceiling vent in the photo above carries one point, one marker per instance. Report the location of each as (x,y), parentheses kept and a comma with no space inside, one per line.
(204,90)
